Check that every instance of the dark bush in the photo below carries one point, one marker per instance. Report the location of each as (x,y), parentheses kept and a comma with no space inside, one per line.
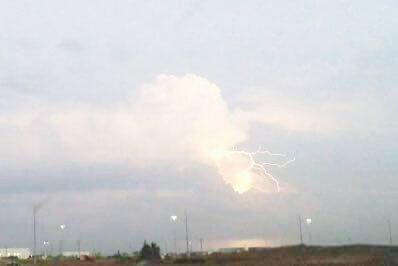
(150,252)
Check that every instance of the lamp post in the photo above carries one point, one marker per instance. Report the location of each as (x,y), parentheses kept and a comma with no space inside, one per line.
(36,208)
(78,247)
(34,234)
(389,232)
(45,244)
(186,234)
(174,218)
(62,227)
(308,222)
(301,230)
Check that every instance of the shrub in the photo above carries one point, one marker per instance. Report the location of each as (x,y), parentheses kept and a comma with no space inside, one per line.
(150,251)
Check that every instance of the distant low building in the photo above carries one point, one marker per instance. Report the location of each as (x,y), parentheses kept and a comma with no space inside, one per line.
(199,253)
(21,253)
(75,254)
(258,249)
(231,250)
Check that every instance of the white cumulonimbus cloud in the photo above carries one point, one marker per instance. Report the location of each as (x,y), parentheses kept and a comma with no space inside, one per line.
(172,120)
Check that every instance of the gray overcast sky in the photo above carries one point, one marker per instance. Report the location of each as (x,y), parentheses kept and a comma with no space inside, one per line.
(118,114)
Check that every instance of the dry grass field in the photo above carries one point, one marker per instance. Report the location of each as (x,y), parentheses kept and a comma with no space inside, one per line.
(301,255)
(355,255)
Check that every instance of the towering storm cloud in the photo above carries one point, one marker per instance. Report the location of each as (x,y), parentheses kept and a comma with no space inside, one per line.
(172,120)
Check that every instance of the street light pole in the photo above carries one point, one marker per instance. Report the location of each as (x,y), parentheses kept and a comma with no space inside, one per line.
(389,232)
(78,247)
(309,221)
(186,233)
(45,243)
(35,208)
(62,227)
(174,219)
(301,230)
(175,244)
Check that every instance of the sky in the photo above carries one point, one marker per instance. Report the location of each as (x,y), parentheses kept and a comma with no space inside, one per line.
(115,115)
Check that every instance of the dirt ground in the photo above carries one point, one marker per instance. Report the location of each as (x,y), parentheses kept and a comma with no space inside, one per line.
(355,260)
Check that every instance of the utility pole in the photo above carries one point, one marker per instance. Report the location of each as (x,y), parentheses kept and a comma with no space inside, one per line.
(34,233)
(46,243)
(186,233)
(174,219)
(78,247)
(389,231)
(301,230)
(201,244)
(61,241)
(175,244)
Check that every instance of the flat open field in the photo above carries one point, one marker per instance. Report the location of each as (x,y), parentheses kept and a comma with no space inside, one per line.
(301,255)
(360,255)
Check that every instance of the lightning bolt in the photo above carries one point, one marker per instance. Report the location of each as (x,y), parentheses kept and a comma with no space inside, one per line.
(260,167)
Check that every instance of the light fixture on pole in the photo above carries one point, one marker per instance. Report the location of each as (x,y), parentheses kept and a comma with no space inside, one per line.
(301,230)
(35,210)
(308,222)
(389,232)
(45,243)
(62,227)
(174,218)
(186,234)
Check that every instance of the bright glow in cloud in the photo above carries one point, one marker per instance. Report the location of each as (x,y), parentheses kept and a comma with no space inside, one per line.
(243,171)
(242,181)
